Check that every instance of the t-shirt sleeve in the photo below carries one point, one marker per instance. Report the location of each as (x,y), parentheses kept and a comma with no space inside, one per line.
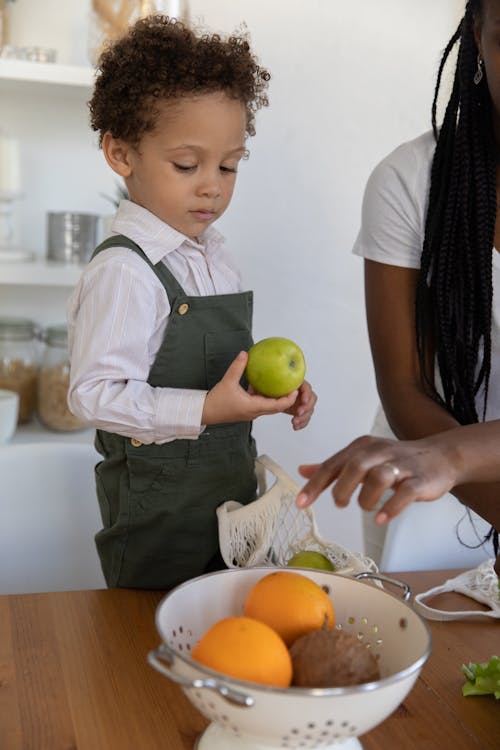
(393,210)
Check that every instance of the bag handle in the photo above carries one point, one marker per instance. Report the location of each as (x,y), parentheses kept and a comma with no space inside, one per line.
(278,472)
(442,615)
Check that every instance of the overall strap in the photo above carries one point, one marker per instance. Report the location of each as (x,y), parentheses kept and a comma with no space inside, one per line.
(165,276)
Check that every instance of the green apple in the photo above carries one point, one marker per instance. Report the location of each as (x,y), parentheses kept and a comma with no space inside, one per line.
(310,559)
(275,367)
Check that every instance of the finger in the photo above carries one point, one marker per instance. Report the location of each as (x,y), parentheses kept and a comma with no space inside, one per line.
(307,470)
(320,479)
(378,480)
(305,392)
(334,468)
(301,419)
(286,402)
(308,397)
(404,494)
(361,466)
(351,475)
(299,422)
(267,405)
(236,369)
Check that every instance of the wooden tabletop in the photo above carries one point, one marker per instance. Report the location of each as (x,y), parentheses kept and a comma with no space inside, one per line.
(74,676)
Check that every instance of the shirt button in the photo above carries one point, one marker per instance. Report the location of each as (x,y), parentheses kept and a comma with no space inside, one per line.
(135,443)
(182,309)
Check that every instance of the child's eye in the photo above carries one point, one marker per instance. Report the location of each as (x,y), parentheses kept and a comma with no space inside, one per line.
(184,167)
(231,170)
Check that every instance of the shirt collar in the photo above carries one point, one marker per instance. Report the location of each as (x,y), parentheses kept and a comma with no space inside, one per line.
(156,238)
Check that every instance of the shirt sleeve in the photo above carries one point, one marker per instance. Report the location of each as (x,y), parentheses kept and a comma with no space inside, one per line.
(393,211)
(116,321)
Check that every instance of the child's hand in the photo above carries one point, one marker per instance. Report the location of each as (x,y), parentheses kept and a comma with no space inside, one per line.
(227,401)
(302,409)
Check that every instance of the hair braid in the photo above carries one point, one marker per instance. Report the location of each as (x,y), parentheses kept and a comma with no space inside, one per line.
(454,292)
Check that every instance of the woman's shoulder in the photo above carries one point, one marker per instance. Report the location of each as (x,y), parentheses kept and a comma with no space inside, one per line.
(421,147)
(394,205)
(409,163)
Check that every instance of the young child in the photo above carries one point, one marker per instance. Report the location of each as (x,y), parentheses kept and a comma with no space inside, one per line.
(159,326)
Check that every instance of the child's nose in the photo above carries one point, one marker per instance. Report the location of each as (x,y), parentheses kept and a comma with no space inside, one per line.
(210,184)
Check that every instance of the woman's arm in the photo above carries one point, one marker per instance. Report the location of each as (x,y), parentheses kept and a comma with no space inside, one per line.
(411,412)
(390,293)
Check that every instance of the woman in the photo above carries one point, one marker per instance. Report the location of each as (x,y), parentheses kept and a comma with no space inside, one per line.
(432,273)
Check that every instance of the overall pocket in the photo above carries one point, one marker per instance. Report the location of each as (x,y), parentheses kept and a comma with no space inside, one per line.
(154,471)
(221,349)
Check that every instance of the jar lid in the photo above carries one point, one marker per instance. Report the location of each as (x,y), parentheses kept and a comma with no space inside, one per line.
(18,329)
(56,336)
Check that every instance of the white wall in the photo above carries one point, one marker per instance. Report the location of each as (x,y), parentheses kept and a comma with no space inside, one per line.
(350,80)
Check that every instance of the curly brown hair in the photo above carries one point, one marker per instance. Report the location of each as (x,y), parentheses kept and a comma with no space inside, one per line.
(161,59)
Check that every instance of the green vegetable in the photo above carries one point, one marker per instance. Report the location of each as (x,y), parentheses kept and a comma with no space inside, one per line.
(482,679)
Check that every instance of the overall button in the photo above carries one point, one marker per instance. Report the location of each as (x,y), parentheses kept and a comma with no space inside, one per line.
(182,309)
(135,443)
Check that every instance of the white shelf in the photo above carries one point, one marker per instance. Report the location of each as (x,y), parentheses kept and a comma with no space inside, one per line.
(40,273)
(37,76)
(32,79)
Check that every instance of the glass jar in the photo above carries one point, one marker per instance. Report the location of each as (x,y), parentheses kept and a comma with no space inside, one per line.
(53,383)
(18,362)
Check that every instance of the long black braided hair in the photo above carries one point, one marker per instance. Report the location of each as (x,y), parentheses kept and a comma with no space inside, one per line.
(455,292)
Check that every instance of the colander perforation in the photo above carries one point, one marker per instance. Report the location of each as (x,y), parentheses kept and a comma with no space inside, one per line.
(319,738)
(366,634)
(180,640)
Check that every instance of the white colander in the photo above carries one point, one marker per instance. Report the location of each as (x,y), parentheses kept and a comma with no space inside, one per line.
(247,716)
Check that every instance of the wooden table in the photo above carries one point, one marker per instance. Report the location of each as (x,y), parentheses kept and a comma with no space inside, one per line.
(74,676)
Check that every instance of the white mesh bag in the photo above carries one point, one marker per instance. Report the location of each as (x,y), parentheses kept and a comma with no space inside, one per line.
(481,584)
(270,530)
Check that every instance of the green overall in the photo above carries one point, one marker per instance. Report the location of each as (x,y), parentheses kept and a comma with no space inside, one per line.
(158,502)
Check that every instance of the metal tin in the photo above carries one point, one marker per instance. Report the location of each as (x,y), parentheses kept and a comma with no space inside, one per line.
(71,237)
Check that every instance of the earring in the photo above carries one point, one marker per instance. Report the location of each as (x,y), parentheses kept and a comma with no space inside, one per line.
(478,75)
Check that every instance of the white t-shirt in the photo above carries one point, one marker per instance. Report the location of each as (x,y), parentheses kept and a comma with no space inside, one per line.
(392,232)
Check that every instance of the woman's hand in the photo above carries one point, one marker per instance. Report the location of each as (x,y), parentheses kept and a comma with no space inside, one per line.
(303,408)
(416,471)
(227,401)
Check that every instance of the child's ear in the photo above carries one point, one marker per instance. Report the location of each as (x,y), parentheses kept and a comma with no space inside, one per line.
(117,154)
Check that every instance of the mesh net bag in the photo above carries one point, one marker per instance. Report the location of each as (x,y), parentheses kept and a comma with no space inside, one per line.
(272,529)
(481,584)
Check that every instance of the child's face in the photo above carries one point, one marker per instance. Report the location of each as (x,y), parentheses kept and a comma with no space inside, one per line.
(184,171)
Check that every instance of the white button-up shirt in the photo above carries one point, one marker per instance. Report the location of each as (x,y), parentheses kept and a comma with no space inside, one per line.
(117,316)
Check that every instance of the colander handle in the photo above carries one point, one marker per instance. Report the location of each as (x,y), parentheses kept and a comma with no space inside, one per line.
(385,579)
(162,654)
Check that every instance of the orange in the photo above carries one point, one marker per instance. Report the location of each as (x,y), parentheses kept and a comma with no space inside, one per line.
(246,649)
(290,603)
